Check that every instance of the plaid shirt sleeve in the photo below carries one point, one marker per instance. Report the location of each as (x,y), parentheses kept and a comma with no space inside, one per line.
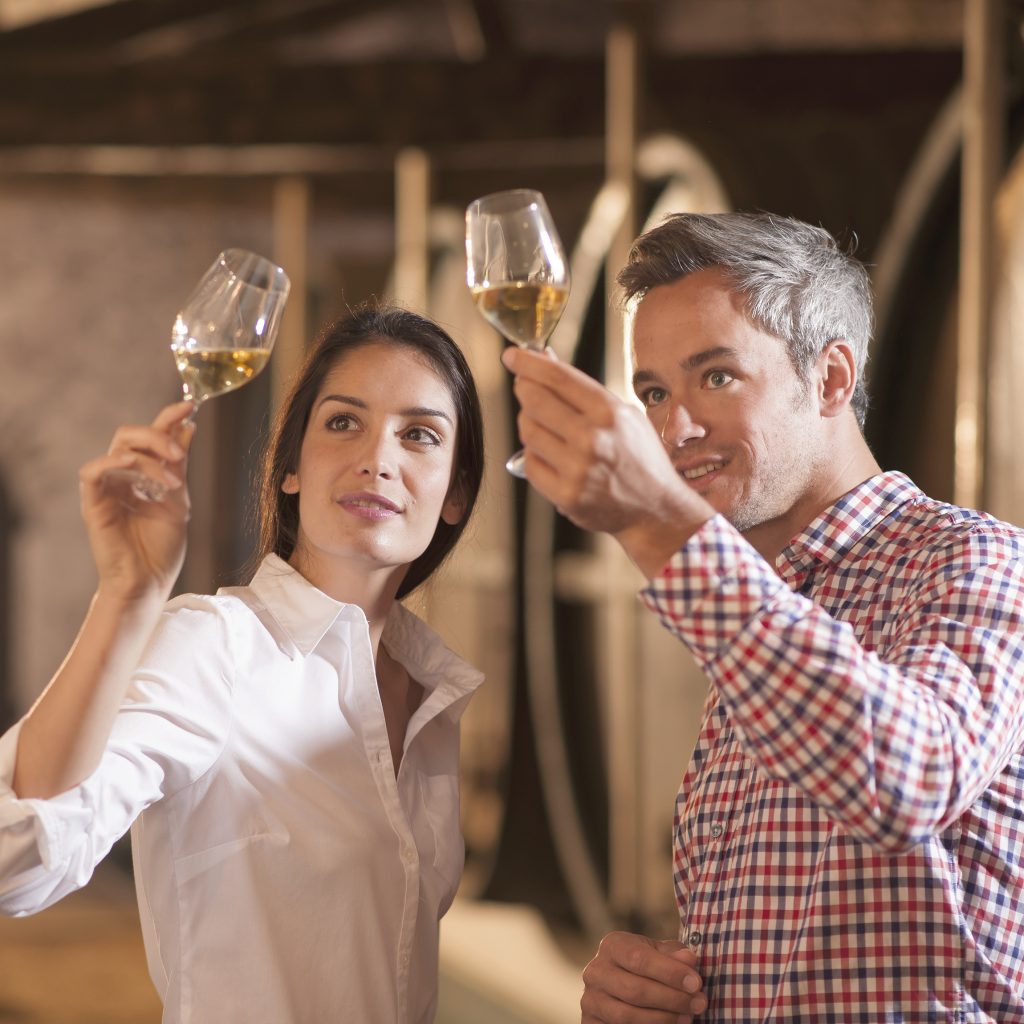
(893,742)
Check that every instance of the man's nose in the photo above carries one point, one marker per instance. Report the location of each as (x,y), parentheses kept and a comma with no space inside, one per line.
(679,426)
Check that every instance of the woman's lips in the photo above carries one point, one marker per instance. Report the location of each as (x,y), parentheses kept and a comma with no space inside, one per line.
(365,505)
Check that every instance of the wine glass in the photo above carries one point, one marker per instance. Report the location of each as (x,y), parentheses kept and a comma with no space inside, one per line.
(516,270)
(223,335)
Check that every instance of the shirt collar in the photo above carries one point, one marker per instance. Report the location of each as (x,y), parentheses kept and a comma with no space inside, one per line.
(410,641)
(306,615)
(831,536)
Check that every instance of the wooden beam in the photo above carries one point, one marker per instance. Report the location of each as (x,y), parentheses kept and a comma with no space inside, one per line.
(16,14)
(291,215)
(984,118)
(617,653)
(790,26)
(239,99)
(412,223)
(278,160)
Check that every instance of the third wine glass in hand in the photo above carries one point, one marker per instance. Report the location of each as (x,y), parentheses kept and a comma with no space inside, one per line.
(516,270)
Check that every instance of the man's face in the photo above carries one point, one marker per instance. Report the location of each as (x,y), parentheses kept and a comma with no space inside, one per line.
(738,423)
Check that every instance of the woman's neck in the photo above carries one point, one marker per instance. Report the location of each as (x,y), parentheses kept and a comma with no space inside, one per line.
(374,592)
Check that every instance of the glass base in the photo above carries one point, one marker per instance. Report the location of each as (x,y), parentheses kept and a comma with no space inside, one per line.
(143,487)
(516,464)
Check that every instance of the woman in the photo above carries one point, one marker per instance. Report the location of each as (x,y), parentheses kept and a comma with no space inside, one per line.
(287,750)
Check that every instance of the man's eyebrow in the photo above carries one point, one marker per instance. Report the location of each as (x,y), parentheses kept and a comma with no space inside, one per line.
(416,410)
(643,377)
(689,364)
(700,358)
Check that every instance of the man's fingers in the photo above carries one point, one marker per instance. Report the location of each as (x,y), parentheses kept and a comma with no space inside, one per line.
(678,951)
(574,386)
(544,406)
(543,478)
(640,980)
(648,960)
(620,996)
(550,465)
(672,946)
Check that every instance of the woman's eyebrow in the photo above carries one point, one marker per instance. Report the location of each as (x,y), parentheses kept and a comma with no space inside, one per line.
(420,410)
(416,410)
(344,400)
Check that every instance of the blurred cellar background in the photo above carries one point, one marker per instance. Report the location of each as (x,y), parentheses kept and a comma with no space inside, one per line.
(345,137)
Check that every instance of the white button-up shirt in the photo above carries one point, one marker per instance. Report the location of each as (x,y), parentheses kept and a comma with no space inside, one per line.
(285,875)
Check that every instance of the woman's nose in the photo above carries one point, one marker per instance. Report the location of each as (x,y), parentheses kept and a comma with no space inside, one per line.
(377,459)
(679,426)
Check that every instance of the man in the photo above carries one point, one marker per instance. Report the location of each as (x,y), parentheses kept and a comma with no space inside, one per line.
(849,838)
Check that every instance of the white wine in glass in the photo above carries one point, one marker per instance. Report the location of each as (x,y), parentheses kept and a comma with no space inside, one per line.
(223,335)
(209,372)
(516,270)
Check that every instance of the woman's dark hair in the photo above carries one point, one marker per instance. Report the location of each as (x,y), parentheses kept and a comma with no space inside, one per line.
(373,323)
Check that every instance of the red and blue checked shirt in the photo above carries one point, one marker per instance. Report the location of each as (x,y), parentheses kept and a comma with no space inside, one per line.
(849,836)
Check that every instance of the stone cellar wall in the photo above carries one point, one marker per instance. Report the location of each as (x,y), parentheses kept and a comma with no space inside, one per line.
(91,273)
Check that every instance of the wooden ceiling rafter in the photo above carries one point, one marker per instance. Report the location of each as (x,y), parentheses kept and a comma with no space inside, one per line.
(15,14)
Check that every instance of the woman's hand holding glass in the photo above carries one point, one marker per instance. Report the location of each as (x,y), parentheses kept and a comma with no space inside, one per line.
(138,543)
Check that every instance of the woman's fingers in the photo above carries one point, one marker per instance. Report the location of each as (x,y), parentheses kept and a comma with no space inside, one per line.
(97,470)
(167,437)
(142,460)
(169,415)
(150,441)
(93,471)
(134,483)
(179,422)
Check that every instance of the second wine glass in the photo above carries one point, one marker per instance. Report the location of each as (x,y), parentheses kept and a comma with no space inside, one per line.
(516,270)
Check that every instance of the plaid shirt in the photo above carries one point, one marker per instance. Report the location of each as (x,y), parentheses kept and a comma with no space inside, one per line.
(849,835)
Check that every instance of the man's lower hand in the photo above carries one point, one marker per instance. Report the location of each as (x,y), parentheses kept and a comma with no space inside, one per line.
(637,980)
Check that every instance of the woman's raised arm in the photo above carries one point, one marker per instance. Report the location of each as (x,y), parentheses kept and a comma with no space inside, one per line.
(138,547)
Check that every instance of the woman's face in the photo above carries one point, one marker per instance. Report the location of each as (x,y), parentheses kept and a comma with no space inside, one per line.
(376,465)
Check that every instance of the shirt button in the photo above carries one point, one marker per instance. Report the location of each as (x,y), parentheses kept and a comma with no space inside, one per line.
(716,830)
(695,938)
(408,854)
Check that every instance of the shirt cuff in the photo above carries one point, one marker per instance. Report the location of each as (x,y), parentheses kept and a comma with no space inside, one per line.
(711,588)
(18,816)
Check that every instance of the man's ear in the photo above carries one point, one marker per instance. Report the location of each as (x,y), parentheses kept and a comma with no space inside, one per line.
(290,484)
(836,371)
(454,507)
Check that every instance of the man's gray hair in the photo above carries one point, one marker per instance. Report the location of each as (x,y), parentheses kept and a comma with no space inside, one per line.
(794,280)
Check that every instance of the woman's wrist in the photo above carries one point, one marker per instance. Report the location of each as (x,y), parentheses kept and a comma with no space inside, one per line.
(124,598)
